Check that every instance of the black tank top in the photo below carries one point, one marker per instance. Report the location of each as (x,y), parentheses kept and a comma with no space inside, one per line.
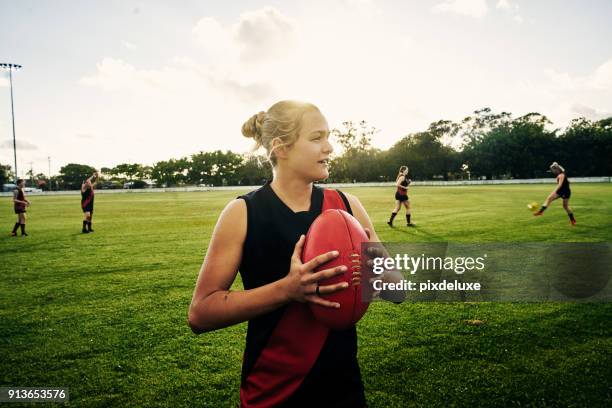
(87,196)
(20,197)
(565,186)
(404,183)
(272,231)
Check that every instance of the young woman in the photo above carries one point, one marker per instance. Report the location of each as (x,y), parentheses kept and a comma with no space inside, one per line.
(87,201)
(290,359)
(562,190)
(401,196)
(20,203)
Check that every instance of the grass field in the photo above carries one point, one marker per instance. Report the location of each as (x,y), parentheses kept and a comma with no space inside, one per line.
(104,314)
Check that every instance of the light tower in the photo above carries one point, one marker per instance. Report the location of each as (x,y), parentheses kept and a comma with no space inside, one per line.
(10,68)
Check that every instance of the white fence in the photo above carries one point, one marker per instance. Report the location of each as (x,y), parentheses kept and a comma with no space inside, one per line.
(338,185)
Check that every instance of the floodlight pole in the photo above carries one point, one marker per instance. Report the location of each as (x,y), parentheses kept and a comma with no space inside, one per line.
(10,68)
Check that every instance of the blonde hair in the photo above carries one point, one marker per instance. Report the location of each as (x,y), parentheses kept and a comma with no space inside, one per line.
(557,166)
(282,121)
(401,170)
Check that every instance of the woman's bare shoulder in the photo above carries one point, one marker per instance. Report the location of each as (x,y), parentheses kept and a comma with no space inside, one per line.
(234,214)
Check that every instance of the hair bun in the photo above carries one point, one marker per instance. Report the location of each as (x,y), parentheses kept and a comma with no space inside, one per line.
(252,127)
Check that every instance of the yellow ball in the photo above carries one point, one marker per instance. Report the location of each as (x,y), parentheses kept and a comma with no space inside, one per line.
(533,206)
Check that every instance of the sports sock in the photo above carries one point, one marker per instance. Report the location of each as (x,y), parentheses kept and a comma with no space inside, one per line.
(408,218)
(89,225)
(22,229)
(571,216)
(542,208)
(393,214)
(84,226)
(15,228)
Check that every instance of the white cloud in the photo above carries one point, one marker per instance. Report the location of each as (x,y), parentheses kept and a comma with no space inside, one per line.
(562,96)
(599,80)
(470,8)
(338,66)
(214,39)
(21,145)
(589,112)
(117,75)
(128,45)
(264,34)
(503,4)
(258,36)
(602,78)
(512,9)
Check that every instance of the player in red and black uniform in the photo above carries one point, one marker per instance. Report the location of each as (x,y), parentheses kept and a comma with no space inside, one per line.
(401,196)
(562,190)
(87,202)
(20,203)
(291,359)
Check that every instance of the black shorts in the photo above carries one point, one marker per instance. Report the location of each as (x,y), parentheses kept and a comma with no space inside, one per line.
(88,208)
(401,197)
(20,210)
(564,193)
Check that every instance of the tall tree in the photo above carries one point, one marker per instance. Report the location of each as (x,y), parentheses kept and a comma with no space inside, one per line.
(358,160)
(170,172)
(255,170)
(6,175)
(73,174)
(585,147)
(216,168)
(127,171)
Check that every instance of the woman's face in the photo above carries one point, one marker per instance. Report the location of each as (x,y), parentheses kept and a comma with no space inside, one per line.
(309,155)
(555,171)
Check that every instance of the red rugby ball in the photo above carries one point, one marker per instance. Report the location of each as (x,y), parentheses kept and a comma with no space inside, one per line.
(338,230)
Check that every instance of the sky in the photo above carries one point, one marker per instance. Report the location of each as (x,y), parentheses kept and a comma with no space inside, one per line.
(109,82)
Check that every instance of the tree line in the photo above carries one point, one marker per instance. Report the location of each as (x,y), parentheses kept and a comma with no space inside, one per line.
(483,145)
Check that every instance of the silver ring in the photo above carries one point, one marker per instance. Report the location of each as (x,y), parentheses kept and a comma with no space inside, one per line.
(317,292)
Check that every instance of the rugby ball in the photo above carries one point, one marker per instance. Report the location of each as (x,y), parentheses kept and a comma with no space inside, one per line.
(338,230)
(533,206)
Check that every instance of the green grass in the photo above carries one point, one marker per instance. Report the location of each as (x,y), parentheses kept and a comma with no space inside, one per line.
(105,314)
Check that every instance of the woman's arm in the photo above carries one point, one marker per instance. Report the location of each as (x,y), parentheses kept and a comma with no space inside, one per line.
(214,306)
(393,276)
(94,178)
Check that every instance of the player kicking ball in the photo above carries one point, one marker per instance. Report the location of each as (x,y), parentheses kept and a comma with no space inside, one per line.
(562,190)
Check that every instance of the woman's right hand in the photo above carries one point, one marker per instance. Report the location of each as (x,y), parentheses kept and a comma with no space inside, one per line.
(302,281)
